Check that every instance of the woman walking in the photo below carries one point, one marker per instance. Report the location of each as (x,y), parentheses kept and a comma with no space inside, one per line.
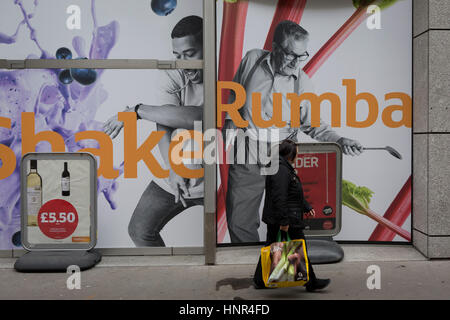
(284,207)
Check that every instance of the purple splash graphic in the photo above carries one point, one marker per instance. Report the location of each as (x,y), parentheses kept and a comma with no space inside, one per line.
(66,109)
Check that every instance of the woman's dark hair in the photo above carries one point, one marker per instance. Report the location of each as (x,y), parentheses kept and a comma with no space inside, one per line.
(288,149)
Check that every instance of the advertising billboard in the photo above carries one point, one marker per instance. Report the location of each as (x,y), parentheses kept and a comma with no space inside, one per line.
(333,71)
(123,117)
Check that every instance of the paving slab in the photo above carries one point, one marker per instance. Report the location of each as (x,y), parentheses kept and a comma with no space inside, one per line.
(404,274)
(399,280)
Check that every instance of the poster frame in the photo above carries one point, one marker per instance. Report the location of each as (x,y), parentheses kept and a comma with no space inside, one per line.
(327,147)
(57,156)
(208,64)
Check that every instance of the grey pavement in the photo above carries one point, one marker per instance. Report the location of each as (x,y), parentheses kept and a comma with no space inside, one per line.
(405,274)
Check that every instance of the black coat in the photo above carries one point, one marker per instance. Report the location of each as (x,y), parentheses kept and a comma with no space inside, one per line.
(284,203)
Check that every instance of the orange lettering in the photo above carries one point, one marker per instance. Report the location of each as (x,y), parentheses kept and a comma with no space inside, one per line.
(405,108)
(133,154)
(315,102)
(176,154)
(30,139)
(352,99)
(232,108)
(7,157)
(277,115)
(104,152)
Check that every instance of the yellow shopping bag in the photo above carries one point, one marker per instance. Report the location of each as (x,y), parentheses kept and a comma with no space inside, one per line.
(285,263)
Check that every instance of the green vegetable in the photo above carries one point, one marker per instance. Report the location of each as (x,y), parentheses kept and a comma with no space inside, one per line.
(382,4)
(281,271)
(356,198)
(291,273)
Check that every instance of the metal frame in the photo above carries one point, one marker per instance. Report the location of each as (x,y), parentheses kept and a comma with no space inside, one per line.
(327,147)
(208,64)
(92,206)
(209,122)
(101,64)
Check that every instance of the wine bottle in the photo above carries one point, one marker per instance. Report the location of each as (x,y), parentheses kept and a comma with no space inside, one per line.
(65,181)
(34,193)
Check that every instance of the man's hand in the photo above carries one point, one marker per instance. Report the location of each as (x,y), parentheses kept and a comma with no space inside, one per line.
(311,213)
(350,147)
(179,186)
(113,126)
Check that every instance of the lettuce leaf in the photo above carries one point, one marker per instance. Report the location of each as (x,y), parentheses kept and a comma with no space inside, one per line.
(356,198)
(383,4)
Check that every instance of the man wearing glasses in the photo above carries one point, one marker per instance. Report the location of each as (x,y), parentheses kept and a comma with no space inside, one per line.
(267,73)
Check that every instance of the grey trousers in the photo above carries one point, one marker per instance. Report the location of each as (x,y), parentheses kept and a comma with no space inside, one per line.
(244,194)
(155,209)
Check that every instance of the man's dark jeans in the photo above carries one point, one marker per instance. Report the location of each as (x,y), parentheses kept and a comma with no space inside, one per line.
(155,209)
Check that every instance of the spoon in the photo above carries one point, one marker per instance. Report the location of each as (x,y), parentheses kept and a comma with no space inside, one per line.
(391,150)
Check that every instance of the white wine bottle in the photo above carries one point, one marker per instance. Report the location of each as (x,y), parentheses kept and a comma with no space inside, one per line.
(34,193)
(65,181)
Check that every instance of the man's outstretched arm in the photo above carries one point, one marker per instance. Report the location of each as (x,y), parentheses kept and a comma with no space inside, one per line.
(171,115)
(168,115)
(325,132)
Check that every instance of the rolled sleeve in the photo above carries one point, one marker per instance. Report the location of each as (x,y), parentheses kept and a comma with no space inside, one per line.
(170,86)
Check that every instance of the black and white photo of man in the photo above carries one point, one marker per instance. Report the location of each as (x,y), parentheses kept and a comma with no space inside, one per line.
(265,72)
(180,105)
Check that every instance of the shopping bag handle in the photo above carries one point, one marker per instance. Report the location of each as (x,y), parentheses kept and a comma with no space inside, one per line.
(279,236)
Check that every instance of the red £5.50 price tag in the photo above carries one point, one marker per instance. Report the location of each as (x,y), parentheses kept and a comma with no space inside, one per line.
(58,219)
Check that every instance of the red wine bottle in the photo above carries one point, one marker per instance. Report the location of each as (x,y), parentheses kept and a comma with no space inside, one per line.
(65,181)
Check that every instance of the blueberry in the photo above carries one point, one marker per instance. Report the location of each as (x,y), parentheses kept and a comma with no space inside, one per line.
(65,77)
(63,54)
(84,76)
(163,7)
(16,239)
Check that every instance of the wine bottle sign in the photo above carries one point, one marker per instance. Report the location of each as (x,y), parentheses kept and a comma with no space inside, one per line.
(34,193)
(65,184)
(34,203)
(65,181)
(58,200)
(34,199)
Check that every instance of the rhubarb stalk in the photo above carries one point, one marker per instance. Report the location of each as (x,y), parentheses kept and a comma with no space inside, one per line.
(232,40)
(358,199)
(389,225)
(335,41)
(343,33)
(397,213)
(230,56)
